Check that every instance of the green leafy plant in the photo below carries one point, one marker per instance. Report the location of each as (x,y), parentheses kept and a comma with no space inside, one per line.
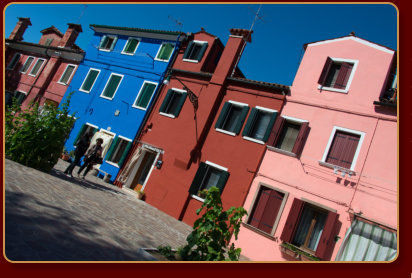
(298,251)
(35,137)
(210,238)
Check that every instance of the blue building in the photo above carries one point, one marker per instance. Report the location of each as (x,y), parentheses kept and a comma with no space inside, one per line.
(115,86)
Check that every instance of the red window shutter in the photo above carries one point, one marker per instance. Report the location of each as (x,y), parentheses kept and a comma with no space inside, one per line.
(271,211)
(277,128)
(300,140)
(260,206)
(327,240)
(343,149)
(343,76)
(292,220)
(325,71)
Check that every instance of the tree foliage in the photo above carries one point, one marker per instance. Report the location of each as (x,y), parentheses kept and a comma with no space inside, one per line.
(35,137)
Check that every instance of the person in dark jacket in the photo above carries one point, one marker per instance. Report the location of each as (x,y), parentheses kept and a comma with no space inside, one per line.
(92,156)
(81,148)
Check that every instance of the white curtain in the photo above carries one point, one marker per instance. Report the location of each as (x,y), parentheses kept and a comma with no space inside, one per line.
(132,162)
(367,242)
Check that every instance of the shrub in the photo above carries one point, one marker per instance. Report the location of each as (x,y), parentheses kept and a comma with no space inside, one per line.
(35,137)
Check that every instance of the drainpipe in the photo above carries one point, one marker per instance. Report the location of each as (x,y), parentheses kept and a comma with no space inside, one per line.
(38,75)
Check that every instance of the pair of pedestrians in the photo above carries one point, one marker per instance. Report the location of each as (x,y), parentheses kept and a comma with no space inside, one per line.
(92,155)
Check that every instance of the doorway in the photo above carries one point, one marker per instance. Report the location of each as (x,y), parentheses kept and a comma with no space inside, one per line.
(142,170)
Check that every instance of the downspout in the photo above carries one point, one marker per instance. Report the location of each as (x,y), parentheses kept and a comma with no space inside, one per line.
(38,75)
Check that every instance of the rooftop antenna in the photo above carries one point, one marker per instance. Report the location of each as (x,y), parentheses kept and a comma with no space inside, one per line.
(257,17)
(177,21)
(82,13)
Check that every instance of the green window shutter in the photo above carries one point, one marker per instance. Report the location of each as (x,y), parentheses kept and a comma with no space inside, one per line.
(126,151)
(131,45)
(180,104)
(112,86)
(201,52)
(82,129)
(222,181)
(89,81)
(112,148)
(166,101)
(145,95)
(102,41)
(66,75)
(270,126)
(113,44)
(194,188)
(20,98)
(188,49)
(239,124)
(250,122)
(222,115)
(166,51)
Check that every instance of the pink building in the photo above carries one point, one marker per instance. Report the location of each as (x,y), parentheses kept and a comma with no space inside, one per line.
(327,185)
(40,72)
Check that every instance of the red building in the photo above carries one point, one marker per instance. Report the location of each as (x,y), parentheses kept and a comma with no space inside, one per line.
(40,72)
(208,128)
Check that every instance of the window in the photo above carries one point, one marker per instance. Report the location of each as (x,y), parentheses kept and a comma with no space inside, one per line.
(145,95)
(89,80)
(35,70)
(165,52)
(14,61)
(173,103)
(288,135)
(130,46)
(368,242)
(107,43)
(259,124)
(267,209)
(84,129)
(19,97)
(48,42)
(65,78)
(194,51)
(310,228)
(111,86)
(232,117)
(118,150)
(337,74)
(207,176)
(27,64)
(343,148)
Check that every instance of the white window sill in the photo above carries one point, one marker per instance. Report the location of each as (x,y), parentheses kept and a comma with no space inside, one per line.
(106,97)
(126,53)
(87,92)
(112,163)
(198,198)
(332,89)
(191,61)
(339,168)
(281,151)
(105,50)
(140,108)
(225,132)
(253,140)
(61,83)
(167,115)
(160,60)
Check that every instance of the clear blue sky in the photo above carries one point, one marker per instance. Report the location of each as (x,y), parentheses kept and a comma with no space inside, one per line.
(276,48)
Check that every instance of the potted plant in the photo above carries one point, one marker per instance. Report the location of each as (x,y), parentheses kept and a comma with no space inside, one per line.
(140,194)
(202,193)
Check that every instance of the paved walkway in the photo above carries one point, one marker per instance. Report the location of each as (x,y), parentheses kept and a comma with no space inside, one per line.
(50,217)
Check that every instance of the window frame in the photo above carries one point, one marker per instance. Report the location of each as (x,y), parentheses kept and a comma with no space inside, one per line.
(124,47)
(175,91)
(84,80)
(329,144)
(70,77)
(254,204)
(239,104)
(41,66)
(140,91)
(160,48)
(350,79)
(14,61)
(201,43)
(21,92)
(28,57)
(110,49)
(272,111)
(116,146)
(107,83)
(209,164)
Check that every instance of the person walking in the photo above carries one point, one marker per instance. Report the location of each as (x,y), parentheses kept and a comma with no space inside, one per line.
(92,157)
(81,147)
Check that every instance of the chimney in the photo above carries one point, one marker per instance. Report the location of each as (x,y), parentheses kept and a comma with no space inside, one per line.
(231,54)
(20,28)
(71,35)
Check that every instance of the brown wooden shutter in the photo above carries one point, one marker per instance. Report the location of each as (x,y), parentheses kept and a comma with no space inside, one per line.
(292,220)
(277,128)
(260,206)
(343,76)
(343,149)
(326,241)
(300,139)
(325,71)
(271,211)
